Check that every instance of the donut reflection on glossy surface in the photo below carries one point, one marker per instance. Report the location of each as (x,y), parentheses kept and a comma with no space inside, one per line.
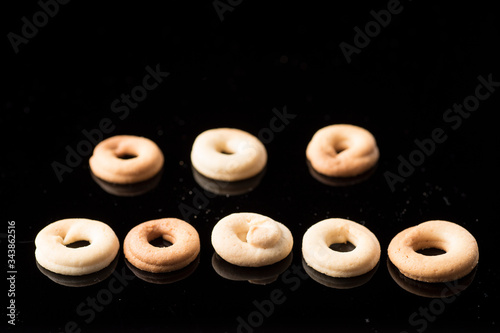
(82,280)
(220,187)
(340,181)
(255,275)
(164,278)
(128,190)
(338,283)
(430,289)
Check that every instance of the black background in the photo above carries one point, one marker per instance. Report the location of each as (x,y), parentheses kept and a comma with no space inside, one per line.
(233,73)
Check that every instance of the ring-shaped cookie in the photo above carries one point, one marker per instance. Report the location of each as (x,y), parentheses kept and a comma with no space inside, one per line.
(342,151)
(318,254)
(251,240)
(460,257)
(53,254)
(184,249)
(228,154)
(126,159)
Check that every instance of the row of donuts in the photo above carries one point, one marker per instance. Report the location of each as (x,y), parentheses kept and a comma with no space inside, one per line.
(254,240)
(231,155)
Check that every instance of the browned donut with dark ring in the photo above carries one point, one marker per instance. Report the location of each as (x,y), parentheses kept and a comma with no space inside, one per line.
(184,249)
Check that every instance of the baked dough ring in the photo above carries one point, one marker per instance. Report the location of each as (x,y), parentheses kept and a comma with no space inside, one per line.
(317,253)
(342,151)
(462,253)
(251,240)
(228,154)
(107,161)
(53,254)
(184,249)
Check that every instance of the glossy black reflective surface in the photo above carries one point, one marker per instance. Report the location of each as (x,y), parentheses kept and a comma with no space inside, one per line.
(257,275)
(82,280)
(279,72)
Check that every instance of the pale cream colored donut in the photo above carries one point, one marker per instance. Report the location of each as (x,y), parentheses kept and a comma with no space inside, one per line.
(53,254)
(251,240)
(184,249)
(462,253)
(228,154)
(317,253)
(106,163)
(342,151)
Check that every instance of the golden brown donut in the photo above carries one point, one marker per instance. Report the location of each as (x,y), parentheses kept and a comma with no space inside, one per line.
(53,254)
(462,253)
(228,154)
(143,159)
(184,249)
(342,151)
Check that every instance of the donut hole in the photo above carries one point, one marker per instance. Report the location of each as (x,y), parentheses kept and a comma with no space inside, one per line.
(342,247)
(78,244)
(225,150)
(126,156)
(431,251)
(242,236)
(340,146)
(430,246)
(160,242)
